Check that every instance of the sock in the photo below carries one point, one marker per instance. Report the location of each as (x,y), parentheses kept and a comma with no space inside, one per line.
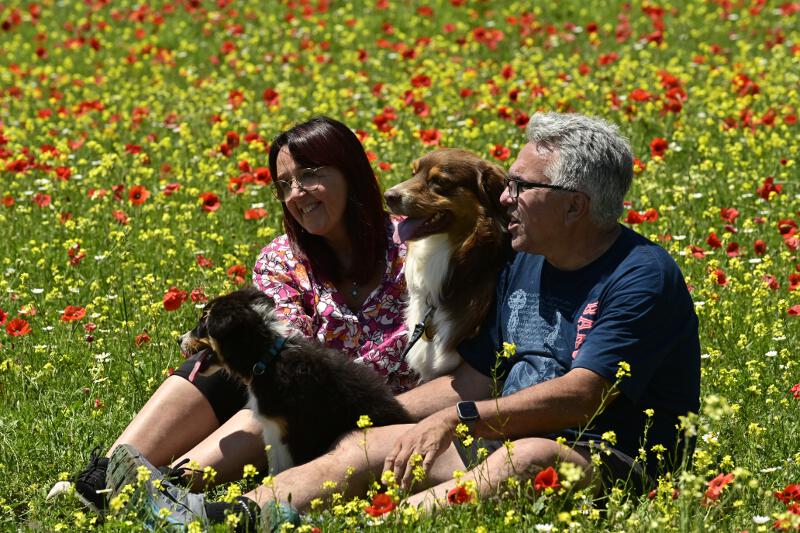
(247,508)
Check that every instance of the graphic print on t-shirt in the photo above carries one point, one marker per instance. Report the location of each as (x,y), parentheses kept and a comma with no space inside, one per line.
(534,325)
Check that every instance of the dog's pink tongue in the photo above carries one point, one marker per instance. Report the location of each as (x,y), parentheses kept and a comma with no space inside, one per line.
(405,230)
(201,358)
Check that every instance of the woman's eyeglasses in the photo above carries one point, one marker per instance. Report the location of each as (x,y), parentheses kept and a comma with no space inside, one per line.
(515,185)
(307,180)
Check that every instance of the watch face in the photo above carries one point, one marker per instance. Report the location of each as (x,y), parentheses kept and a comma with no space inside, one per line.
(467,411)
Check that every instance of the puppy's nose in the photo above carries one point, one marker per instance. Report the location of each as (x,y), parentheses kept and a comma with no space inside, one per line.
(393,198)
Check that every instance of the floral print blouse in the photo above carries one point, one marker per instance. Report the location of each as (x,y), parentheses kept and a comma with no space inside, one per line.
(374,335)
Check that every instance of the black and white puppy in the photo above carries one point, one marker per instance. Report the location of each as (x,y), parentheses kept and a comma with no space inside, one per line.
(304,394)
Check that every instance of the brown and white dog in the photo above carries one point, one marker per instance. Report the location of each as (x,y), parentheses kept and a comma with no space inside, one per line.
(304,394)
(458,244)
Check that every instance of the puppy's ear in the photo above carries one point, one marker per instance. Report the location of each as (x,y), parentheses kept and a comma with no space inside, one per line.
(491,182)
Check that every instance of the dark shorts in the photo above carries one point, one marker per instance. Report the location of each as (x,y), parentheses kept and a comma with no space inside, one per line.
(226,395)
(615,465)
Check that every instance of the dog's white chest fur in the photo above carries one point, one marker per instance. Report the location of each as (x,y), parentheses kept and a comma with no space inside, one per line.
(427,270)
(279,457)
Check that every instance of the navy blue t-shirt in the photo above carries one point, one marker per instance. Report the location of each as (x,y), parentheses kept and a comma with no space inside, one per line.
(631,304)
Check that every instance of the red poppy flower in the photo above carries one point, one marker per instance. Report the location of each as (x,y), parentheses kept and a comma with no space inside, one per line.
(173,298)
(142,338)
(458,495)
(715,488)
(17,327)
(232,139)
(421,80)
(8,200)
(713,241)
(138,194)
(41,199)
(658,147)
(794,281)
(3,317)
(170,188)
(634,217)
(255,214)
(640,95)
(500,152)
(203,261)
(120,217)
(430,137)
(760,247)
(697,252)
(73,313)
(722,279)
(382,503)
(237,273)
(733,249)
(791,493)
(768,187)
(198,295)
(795,390)
(63,173)
(271,96)
(728,214)
(794,310)
(547,478)
(210,201)
(262,176)
(771,281)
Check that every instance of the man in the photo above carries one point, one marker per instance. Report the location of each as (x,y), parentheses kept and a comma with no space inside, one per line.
(607,351)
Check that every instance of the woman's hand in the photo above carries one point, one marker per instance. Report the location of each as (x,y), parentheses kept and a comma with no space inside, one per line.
(429,438)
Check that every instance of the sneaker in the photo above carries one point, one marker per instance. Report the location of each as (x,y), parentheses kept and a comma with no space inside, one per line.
(89,486)
(162,500)
(177,474)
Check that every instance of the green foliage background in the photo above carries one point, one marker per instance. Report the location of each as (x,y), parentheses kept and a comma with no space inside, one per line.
(122,94)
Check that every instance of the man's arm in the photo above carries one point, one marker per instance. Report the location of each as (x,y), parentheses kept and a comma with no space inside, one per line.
(565,402)
(465,383)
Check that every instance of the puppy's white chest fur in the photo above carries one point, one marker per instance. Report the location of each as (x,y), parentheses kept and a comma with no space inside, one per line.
(279,457)
(427,270)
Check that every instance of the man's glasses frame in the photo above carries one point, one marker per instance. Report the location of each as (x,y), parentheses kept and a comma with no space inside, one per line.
(515,186)
(307,180)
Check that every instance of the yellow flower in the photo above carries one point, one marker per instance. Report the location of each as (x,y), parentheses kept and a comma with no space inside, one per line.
(250,471)
(142,474)
(624,370)
(364,422)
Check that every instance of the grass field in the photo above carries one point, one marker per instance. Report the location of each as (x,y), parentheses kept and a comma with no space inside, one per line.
(133,143)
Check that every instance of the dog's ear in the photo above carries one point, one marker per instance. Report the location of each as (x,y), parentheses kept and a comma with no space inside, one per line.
(491,182)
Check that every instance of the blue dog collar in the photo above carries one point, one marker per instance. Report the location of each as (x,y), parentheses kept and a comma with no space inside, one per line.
(272,353)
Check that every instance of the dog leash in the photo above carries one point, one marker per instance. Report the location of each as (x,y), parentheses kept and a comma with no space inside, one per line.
(274,351)
(419,330)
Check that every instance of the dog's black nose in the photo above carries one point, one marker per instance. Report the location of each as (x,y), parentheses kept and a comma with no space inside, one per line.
(393,198)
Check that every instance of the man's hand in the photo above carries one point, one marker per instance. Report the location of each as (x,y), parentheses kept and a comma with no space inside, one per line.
(429,438)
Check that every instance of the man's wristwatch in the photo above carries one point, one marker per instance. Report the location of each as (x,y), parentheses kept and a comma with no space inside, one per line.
(468,414)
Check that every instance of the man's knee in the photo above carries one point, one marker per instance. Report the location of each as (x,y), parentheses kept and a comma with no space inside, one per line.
(530,455)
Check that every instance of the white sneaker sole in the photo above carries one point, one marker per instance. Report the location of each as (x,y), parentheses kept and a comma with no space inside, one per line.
(64,489)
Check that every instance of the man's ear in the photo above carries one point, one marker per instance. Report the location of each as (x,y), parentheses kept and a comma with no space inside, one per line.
(578,207)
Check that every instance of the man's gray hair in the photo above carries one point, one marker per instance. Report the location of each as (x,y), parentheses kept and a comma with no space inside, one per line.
(589,155)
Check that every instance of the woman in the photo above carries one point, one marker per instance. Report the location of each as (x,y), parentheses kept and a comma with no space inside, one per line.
(336,276)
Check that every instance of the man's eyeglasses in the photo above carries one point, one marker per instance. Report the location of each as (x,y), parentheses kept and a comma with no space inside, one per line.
(307,180)
(514,187)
